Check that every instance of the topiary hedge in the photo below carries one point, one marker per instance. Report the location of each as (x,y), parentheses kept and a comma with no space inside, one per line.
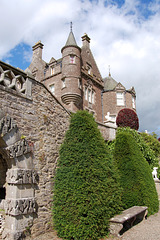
(135,174)
(127,118)
(86,191)
(145,148)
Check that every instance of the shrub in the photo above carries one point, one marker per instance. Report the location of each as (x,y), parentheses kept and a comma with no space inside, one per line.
(135,175)
(152,142)
(147,152)
(127,118)
(86,192)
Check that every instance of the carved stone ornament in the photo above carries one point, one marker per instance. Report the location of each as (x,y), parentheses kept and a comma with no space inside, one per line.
(22,176)
(6,125)
(19,148)
(20,206)
(11,80)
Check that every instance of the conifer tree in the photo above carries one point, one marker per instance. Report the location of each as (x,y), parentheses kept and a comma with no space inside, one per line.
(86,190)
(135,174)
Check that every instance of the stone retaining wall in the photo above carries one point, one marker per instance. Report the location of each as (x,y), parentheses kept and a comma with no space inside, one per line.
(42,122)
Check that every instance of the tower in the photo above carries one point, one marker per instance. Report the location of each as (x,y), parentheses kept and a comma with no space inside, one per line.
(71,74)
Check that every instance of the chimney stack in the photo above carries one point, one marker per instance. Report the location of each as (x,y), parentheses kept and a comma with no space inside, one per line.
(37,50)
(86,41)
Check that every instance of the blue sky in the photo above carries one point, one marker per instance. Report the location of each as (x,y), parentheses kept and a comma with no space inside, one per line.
(124,34)
(20,56)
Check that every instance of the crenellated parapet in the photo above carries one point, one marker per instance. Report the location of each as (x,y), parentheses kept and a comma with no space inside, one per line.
(13,79)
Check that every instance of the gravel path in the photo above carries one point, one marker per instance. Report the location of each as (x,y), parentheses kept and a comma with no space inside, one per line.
(148,229)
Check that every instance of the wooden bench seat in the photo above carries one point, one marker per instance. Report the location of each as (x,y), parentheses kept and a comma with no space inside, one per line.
(125,220)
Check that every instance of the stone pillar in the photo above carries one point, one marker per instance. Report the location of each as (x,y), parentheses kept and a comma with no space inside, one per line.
(20,204)
(157,183)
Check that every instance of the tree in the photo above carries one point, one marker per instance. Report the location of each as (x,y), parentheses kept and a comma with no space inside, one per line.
(135,174)
(127,118)
(152,142)
(86,192)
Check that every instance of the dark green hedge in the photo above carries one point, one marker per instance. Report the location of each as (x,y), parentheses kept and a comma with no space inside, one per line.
(135,174)
(86,191)
(147,152)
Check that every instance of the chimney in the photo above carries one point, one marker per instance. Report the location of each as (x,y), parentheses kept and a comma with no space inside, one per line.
(86,41)
(37,50)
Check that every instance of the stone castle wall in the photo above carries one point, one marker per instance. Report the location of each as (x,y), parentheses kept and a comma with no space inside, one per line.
(42,121)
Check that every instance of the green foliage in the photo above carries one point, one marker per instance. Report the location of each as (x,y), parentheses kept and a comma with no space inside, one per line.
(135,174)
(152,142)
(86,192)
(147,152)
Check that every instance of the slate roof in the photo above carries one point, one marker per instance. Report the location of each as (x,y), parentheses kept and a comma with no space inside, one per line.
(71,41)
(109,83)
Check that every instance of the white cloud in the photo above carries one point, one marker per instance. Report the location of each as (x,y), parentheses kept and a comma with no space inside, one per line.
(121,36)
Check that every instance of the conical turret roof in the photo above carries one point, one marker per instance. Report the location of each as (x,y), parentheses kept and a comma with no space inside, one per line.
(71,41)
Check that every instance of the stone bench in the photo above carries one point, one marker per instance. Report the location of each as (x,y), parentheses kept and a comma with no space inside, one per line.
(122,222)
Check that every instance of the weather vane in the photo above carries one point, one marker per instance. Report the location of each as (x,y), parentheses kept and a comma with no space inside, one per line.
(109,70)
(71,26)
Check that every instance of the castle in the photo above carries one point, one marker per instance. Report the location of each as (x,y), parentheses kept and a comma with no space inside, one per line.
(76,82)
(35,107)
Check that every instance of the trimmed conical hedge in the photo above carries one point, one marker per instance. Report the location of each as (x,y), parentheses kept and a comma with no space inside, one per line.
(86,191)
(135,174)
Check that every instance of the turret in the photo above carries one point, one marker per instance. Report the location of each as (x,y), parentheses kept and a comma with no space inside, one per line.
(71,74)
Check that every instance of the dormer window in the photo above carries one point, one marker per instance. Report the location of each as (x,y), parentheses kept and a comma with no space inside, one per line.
(120,99)
(52,70)
(72,59)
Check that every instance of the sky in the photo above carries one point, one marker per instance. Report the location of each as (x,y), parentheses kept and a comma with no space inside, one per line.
(125,35)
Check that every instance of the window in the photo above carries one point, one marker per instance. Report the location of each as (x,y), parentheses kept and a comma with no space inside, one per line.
(89,95)
(133,102)
(92,96)
(72,59)
(120,99)
(85,93)
(80,83)
(52,88)
(52,70)
(63,83)
(89,70)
